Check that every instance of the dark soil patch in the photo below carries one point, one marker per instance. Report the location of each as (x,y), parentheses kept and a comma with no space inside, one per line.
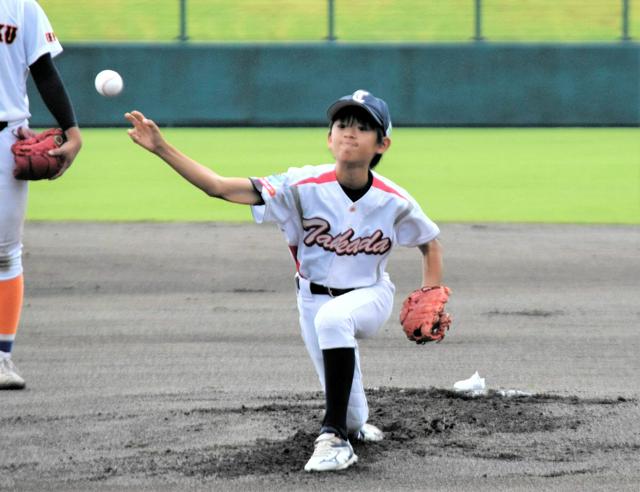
(420,422)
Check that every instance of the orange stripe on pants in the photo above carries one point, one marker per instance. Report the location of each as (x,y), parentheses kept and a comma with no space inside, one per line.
(11,293)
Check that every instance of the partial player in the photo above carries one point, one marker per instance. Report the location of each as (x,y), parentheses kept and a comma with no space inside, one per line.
(341,221)
(27,45)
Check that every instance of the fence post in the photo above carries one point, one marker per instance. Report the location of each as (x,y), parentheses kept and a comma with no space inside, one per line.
(625,20)
(477,36)
(331,35)
(183,21)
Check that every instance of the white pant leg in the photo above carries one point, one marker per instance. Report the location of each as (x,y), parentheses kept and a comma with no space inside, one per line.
(337,322)
(13,204)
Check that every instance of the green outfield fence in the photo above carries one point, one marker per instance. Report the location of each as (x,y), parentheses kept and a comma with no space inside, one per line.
(278,84)
(345,20)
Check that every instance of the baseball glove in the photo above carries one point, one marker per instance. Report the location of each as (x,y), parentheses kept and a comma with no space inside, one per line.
(33,161)
(422,315)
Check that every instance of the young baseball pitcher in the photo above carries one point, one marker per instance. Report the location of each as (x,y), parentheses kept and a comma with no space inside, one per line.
(341,221)
(27,44)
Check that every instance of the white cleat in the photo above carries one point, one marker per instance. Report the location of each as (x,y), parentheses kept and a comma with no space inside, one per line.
(9,377)
(369,433)
(331,453)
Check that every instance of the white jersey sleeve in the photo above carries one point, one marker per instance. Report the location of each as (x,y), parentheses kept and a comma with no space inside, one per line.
(39,37)
(277,199)
(25,35)
(413,227)
(281,204)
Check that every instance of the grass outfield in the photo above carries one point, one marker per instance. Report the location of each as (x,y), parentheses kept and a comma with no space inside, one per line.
(355,20)
(457,175)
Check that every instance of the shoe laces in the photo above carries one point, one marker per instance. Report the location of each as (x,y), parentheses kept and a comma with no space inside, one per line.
(326,446)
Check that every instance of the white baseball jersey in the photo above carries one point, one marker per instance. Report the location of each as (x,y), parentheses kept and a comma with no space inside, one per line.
(336,242)
(25,35)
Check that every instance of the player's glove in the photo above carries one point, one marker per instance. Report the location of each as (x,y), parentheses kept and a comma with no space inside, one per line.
(422,315)
(31,152)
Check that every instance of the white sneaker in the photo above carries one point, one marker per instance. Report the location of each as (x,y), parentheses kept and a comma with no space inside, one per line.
(9,377)
(369,433)
(331,453)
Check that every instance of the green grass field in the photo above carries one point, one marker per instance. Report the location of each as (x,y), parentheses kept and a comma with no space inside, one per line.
(355,20)
(457,175)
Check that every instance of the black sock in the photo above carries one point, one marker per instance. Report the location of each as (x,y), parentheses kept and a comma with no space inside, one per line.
(339,364)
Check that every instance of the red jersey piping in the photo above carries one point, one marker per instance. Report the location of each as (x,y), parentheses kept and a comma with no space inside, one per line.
(327,177)
(377,183)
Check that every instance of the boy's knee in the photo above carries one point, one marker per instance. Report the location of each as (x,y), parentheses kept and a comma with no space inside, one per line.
(10,264)
(334,330)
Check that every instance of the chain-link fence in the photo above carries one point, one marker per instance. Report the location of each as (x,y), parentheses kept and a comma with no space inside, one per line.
(345,20)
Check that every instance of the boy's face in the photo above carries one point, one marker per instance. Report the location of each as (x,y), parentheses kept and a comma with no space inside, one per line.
(354,140)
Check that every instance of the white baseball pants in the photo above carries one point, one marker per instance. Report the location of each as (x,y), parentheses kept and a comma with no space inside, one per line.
(335,322)
(13,205)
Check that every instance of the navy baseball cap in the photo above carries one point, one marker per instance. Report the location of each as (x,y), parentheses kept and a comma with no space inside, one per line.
(375,106)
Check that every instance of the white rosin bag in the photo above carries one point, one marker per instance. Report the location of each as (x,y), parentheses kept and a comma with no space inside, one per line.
(475,385)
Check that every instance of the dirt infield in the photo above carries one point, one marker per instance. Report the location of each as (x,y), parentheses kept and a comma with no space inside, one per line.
(167,357)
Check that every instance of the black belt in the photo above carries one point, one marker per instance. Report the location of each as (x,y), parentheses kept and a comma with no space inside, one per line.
(3,125)
(328,291)
(323,290)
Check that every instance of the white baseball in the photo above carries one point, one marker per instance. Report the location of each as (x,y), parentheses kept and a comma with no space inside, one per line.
(109,83)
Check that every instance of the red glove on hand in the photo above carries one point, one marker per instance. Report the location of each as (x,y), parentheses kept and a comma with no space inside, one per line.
(31,152)
(422,315)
